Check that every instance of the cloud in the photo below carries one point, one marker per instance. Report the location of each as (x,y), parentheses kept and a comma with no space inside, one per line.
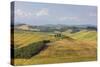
(92,14)
(37,13)
(34,13)
(21,13)
(69,18)
(42,12)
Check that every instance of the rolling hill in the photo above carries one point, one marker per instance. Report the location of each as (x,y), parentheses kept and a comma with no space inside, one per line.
(63,51)
(85,35)
(74,44)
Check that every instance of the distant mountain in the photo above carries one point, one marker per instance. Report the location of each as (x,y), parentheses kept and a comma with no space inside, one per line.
(52,28)
(22,26)
(25,27)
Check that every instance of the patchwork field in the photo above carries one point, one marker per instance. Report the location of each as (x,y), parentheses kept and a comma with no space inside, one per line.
(45,48)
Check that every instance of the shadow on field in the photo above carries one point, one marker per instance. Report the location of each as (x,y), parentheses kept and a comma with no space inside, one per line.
(32,49)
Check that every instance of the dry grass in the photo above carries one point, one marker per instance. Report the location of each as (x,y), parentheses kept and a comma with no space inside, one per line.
(63,50)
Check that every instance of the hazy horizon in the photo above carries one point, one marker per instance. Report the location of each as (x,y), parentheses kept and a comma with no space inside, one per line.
(44,13)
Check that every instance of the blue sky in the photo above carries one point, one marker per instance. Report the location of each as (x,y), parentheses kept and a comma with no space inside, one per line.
(42,13)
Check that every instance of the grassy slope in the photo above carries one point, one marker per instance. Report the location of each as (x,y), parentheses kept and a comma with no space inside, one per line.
(85,35)
(24,38)
(64,50)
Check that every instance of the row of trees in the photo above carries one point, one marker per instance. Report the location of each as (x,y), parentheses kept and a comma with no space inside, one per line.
(30,50)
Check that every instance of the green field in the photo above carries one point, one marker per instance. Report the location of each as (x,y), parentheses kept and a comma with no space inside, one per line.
(44,48)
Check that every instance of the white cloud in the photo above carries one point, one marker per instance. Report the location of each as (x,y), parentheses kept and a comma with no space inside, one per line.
(69,18)
(42,12)
(93,14)
(63,18)
(21,13)
(34,13)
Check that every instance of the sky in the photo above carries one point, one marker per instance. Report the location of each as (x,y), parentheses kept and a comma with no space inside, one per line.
(46,13)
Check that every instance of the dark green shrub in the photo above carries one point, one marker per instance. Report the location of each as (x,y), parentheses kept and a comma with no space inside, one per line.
(30,50)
